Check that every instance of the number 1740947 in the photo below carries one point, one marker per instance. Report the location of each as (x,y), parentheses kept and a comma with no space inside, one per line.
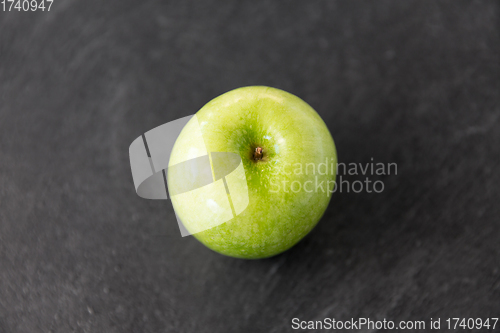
(25,5)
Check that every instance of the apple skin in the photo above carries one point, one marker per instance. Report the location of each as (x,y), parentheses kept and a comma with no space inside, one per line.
(289,131)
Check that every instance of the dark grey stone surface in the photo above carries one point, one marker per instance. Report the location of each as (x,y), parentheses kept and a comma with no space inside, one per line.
(410,82)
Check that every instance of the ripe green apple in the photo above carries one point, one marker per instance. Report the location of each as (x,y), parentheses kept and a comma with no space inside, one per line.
(282,142)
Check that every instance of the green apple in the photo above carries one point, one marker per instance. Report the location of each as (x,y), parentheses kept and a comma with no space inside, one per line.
(289,162)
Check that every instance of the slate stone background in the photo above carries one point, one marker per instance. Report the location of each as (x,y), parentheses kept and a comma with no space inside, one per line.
(410,82)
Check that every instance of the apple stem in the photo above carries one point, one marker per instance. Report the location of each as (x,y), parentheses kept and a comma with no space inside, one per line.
(257,155)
